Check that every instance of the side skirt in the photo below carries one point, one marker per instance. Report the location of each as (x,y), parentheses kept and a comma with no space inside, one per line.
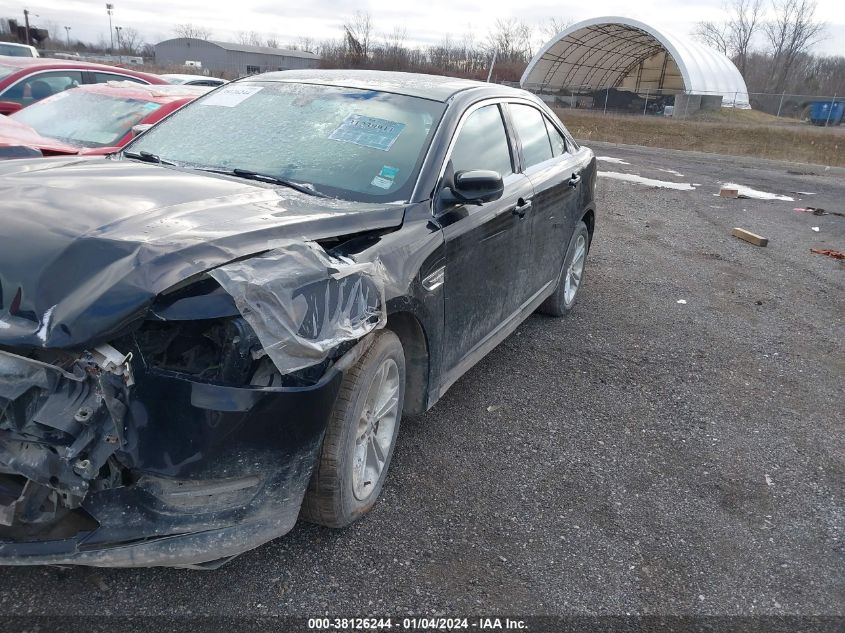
(486,345)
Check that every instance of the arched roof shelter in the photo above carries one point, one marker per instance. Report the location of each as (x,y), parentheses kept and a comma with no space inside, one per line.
(622,53)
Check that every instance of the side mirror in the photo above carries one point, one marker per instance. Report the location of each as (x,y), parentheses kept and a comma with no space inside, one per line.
(477,186)
(9,107)
(140,128)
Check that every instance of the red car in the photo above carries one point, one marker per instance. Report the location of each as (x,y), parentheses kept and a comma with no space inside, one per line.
(25,80)
(92,119)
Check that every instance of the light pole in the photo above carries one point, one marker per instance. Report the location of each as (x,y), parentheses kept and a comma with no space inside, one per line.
(26,23)
(109,10)
(67,31)
(117,30)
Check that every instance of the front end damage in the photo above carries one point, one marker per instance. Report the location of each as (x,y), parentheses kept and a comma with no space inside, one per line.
(191,436)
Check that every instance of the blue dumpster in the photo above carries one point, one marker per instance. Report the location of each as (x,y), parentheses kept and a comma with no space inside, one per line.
(827,112)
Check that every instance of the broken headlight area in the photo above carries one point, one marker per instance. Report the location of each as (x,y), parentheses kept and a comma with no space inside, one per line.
(219,351)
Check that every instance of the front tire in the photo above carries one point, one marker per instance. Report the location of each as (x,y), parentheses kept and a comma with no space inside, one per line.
(360,437)
(562,300)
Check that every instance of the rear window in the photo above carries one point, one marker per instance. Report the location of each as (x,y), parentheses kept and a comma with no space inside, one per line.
(15,51)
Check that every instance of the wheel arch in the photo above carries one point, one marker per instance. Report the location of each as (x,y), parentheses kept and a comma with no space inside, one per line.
(415,345)
(589,218)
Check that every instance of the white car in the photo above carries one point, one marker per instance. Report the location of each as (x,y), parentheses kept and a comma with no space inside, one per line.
(18,50)
(193,80)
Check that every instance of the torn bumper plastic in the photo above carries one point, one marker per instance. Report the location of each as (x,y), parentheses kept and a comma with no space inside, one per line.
(202,472)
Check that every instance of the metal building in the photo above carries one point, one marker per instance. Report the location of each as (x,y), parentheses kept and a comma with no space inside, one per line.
(624,54)
(226,58)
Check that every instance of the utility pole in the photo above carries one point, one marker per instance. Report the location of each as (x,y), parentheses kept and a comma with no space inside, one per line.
(67,31)
(117,30)
(492,64)
(26,22)
(110,10)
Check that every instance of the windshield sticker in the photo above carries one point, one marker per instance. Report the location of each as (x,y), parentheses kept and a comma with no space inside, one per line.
(382,183)
(368,132)
(385,177)
(388,172)
(230,96)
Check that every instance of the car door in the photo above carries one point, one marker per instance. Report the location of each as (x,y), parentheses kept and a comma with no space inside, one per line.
(485,243)
(555,174)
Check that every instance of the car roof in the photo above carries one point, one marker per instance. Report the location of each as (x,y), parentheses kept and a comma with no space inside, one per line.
(433,87)
(24,63)
(189,77)
(159,93)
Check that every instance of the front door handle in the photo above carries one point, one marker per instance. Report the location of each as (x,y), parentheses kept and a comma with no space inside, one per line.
(573,182)
(522,207)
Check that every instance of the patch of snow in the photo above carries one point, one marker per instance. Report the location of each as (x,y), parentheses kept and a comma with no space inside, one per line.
(610,159)
(671,171)
(815,228)
(45,323)
(651,182)
(4,325)
(748,192)
(683,302)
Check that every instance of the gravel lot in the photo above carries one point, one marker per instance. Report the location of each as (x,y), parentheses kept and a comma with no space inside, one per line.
(641,456)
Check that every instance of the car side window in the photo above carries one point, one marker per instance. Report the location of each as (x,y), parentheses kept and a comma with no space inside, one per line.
(557,139)
(102,78)
(41,86)
(530,125)
(482,143)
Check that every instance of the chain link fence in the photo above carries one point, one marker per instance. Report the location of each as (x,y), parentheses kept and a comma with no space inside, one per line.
(822,110)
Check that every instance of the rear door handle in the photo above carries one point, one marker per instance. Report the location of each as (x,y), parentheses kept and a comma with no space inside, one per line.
(522,207)
(573,182)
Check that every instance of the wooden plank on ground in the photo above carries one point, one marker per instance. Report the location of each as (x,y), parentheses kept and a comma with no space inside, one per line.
(748,236)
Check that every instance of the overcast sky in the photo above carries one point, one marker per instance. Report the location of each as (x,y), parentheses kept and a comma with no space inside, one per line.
(424,21)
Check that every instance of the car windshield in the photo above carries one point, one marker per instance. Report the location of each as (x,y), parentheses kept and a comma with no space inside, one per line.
(85,119)
(360,145)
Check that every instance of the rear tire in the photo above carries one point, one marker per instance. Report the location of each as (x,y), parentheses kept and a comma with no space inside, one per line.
(360,437)
(562,300)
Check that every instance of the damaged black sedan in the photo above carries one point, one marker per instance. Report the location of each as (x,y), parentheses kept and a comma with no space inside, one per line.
(219,328)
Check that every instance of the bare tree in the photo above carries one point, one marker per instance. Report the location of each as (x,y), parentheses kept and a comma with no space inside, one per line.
(552,26)
(525,39)
(358,33)
(130,39)
(734,36)
(714,34)
(272,42)
(192,31)
(792,32)
(307,44)
(744,23)
(249,38)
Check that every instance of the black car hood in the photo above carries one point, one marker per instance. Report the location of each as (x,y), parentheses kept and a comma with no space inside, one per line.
(87,244)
